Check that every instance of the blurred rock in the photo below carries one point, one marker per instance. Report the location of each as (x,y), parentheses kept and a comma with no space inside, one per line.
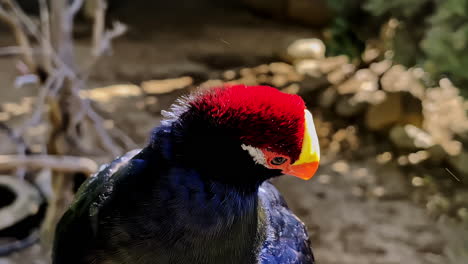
(166,86)
(291,89)
(105,94)
(281,68)
(371,97)
(362,80)
(460,162)
(398,78)
(332,63)
(302,49)
(341,73)
(400,107)
(410,137)
(380,67)
(309,67)
(445,116)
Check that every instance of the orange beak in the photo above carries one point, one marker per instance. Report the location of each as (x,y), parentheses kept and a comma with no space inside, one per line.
(304,171)
(309,159)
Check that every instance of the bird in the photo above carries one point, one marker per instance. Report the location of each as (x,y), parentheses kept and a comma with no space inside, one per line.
(200,190)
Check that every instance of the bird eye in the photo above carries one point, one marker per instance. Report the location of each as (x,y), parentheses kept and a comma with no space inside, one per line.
(278,160)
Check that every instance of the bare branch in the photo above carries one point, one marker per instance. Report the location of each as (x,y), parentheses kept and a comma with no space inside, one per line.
(45,39)
(104,137)
(13,50)
(106,40)
(57,163)
(126,140)
(74,8)
(17,28)
(99,25)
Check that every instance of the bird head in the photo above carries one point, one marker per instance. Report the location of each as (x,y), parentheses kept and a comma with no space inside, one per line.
(246,134)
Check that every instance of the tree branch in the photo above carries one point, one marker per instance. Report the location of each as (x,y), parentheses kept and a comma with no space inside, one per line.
(68,164)
(17,28)
(74,8)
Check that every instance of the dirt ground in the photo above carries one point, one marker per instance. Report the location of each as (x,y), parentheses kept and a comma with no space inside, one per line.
(346,225)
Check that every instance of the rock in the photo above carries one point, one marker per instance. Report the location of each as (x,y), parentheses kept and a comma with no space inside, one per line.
(166,86)
(460,162)
(410,137)
(301,49)
(371,97)
(362,80)
(398,78)
(396,108)
(108,93)
(445,116)
(332,63)
(340,74)
(279,80)
(281,68)
(309,67)
(310,12)
(347,108)
(380,67)
(291,89)
(19,199)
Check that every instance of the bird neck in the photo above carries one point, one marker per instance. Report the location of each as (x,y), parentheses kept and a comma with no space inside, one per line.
(194,214)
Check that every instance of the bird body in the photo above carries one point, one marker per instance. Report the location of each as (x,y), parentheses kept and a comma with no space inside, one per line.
(179,200)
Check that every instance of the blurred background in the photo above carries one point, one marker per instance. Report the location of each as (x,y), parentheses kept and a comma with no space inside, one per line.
(83,81)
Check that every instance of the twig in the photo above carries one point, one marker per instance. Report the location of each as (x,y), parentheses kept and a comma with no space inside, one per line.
(67,164)
(21,147)
(7,51)
(102,38)
(74,8)
(104,137)
(99,25)
(453,175)
(45,39)
(17,28)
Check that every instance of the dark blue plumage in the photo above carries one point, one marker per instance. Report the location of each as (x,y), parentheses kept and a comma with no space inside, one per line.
(193,195)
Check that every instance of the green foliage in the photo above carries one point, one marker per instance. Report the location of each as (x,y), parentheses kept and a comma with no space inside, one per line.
(446,40)
(430,33)
(398,8)
(343,35)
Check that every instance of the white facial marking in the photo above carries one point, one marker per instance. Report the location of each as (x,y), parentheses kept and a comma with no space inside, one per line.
(256,154)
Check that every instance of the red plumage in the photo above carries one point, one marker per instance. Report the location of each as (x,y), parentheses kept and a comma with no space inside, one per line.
(273,120)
